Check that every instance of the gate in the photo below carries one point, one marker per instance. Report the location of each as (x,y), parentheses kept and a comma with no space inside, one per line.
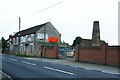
(65,53)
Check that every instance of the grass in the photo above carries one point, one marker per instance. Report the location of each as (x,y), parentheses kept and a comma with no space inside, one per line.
(23,55)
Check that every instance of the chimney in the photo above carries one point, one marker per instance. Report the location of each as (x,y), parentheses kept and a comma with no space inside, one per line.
(96,34)
(10,36)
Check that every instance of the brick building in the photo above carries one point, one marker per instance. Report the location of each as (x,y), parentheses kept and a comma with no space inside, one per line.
(95,41)
(33,39)
(97,51)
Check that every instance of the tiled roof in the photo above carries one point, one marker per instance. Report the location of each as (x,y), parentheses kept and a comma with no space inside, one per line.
(28,31)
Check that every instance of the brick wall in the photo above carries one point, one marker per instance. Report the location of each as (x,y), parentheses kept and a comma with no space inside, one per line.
(51,52)
(112,55)
(101,55)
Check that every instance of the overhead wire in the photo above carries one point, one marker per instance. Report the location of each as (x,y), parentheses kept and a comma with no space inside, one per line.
(44,9)
(6,28)
(33,14)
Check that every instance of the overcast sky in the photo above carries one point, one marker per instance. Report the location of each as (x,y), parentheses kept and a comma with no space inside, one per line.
(71,18)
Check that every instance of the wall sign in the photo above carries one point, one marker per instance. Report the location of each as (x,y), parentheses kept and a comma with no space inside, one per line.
(53,39)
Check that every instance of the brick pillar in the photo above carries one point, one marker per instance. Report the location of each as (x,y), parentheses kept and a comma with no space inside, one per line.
(104,51)
(39,50)
(77,53)
(56,51)
(44,51)
(118,56)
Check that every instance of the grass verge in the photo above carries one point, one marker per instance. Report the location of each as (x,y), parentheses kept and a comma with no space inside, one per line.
(23,55)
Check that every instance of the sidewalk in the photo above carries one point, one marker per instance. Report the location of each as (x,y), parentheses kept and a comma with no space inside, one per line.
(88,66)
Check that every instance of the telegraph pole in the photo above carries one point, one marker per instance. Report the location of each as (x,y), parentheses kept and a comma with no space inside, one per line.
(19,23)
(19,36)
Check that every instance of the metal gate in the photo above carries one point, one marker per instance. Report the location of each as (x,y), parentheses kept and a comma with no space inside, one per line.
(65,53)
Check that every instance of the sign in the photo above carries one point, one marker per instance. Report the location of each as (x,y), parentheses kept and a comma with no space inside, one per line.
(53,39)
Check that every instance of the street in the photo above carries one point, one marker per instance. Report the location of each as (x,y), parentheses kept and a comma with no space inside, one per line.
(20,67)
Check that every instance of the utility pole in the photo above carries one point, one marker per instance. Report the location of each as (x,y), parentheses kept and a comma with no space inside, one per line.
(19,23)
(19,36)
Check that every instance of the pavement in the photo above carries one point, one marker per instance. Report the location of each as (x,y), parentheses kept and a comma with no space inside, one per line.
(21,67)
(71,62)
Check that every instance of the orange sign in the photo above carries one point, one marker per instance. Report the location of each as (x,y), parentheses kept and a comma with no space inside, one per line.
(52,39)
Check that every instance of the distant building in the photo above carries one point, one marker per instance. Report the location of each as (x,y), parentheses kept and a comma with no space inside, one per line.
(95,41)
(31,37)
(88,42)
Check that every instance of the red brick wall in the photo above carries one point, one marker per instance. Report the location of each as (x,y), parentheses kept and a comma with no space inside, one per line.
(51,52)
(102,55)
(112,55)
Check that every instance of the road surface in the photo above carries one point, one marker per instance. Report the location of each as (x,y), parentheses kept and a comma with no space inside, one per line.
(20,67)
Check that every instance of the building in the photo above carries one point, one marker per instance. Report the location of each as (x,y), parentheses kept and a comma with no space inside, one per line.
(97,51)
(95,41)
(27,41)
(88,42)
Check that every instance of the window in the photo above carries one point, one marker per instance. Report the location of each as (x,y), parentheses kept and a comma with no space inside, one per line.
(26,38)
(17,40)
(31,47)
(20,48)
(36,48)
(13,40)
(32,37)
(23,39)
(11,47)
(29,38)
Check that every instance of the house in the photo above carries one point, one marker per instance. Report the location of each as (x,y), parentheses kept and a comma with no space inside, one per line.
(30,39)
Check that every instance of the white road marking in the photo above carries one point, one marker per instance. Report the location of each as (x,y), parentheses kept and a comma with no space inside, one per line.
(13,59)
(3,57)
(58,70)
(30,58)
(28,63)
(6,75)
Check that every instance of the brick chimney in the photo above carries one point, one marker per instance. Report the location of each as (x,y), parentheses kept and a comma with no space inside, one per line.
(96,34)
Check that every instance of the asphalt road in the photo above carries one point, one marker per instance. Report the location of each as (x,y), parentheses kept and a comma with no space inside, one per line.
(19,67)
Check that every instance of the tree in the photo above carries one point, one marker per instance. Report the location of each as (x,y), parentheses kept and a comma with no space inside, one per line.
(77,40)
(4,45)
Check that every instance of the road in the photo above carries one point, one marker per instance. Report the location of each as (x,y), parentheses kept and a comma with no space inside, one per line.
(20,67)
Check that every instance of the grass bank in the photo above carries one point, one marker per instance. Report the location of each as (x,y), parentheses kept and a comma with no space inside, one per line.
(23,55)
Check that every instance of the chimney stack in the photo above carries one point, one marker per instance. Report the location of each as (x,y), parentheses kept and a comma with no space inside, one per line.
(96,34)
(10,36)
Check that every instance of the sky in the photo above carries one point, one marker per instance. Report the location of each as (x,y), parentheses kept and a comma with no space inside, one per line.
(71,18)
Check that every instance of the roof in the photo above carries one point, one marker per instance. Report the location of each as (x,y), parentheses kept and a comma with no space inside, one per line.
(31,30)
(91,40)
(87,39)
